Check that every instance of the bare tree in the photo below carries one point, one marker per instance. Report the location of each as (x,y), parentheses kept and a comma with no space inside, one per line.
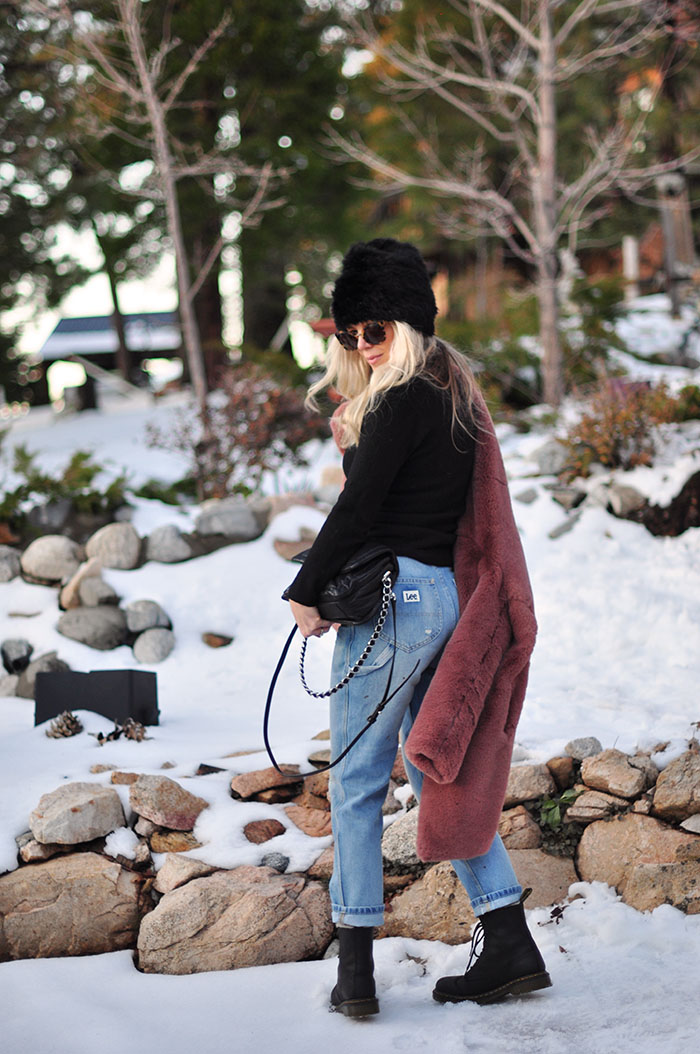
(133,101)
(502,74)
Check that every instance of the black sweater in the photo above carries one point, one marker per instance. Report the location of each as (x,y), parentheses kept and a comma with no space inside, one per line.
(406,487)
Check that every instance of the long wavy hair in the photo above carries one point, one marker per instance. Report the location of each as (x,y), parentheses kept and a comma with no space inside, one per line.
(412,354)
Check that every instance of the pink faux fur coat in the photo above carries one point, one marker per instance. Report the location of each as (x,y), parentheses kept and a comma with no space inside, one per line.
(463,736)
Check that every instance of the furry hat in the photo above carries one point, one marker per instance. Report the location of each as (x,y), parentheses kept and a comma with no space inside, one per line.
(384,281)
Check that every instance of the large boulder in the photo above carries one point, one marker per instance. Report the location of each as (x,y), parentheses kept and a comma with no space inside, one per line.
(611,771)
(609,850)
(10,563)
(527,783)
(82,904)
(167,545)
(76,812)
(250,916)
(47,663)
(145,614)
(677,791)
(102,628)
(232,517)
(154,645)
(434,908)
(399,842)
(547,875)
(678,884)
(165,802)
(116,545)
(51,558)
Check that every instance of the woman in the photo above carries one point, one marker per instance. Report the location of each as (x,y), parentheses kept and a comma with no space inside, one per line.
(419,451)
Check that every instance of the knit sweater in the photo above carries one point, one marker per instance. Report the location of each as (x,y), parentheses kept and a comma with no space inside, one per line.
(406,486)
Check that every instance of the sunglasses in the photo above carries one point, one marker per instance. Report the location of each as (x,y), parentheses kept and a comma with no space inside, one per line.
(373,333)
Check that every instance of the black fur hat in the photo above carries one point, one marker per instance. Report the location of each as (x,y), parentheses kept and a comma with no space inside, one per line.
(384,281)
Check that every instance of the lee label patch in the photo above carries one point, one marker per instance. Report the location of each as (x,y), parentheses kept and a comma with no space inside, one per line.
(411,596)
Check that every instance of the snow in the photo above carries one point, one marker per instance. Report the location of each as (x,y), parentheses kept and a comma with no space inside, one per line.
(618,657)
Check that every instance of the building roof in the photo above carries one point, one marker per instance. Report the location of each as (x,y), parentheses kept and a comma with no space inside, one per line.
(150,331)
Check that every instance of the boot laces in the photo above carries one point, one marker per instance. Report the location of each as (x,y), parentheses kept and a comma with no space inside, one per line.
(477,944)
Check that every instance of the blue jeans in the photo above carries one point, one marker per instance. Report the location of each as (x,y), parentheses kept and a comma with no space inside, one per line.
(426,614)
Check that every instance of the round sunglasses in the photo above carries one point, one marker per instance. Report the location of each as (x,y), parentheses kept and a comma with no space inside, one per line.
(373,333)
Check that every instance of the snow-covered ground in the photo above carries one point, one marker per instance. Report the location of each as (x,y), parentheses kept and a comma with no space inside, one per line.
(618,657)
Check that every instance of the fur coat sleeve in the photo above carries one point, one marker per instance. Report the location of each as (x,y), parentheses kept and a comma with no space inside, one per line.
(462,739)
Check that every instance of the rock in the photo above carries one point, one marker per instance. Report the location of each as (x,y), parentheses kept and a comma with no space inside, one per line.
(231,517)
(319,757)
(177,870)
(116,545)
(154,645)
(594,805)
(568,497)
(678,884)
(259,831)
(216,640)
(609,849)
(51,558)
(10,563)
(677,792)
(16,655)
(33,852)
(313,822)
(173,842)
(76,812)
(564,528)
(250,916)
(528,782)
(399,841)
(550,458)
(165,802)
(322,866)
(391,803)
(277,861)
(642,805)
(145,614)
(548,876)
(247,784)
(124,779)
(288,550)
(48,663)
(562,770)
(9,685)
(167,545)
(624,499)
(80,904)
(145,827)
(93,592)
(311,801)
(102,628)
(69,597)
(518,829)
(692,824)
(526,497)
(611,771)
(582,748)
(435,907)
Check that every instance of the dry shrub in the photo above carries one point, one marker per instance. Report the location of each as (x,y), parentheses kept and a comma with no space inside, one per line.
(619,428)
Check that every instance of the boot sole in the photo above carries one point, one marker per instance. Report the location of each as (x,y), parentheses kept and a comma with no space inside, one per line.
(356,1007)
(520,986)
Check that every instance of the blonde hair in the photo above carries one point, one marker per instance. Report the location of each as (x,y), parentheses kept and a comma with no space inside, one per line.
(412,354)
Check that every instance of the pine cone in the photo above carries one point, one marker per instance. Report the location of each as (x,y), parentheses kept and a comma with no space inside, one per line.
(134,730)
(66,724)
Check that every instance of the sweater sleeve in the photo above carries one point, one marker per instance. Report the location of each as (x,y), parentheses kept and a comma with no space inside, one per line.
(389,433)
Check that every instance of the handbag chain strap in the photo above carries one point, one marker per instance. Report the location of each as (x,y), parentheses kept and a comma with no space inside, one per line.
(387,597)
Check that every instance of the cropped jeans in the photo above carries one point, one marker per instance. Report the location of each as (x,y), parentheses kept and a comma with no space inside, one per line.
(426,614)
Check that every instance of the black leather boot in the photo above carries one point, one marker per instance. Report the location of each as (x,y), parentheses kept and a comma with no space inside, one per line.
(508,963)
(354,994)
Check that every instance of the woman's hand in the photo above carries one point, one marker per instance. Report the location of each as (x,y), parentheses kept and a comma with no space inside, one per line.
(309,620)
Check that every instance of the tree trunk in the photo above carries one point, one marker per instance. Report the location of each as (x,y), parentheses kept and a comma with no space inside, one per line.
(265,291)
(165,168)
(544,199)
(123,357)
